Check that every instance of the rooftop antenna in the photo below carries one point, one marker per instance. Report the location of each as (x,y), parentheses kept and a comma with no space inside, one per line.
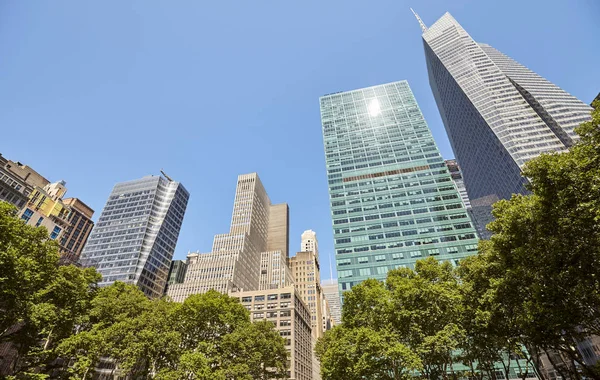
(166,176)
(330,270)
(421,23)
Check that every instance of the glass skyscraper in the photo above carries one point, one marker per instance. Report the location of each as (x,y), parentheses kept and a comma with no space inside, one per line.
(498,114)
(136,234)
(392,198)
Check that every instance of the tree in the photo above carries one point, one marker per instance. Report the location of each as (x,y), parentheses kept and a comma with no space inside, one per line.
(364,353)
(208,336)
(543,260)
(38,299)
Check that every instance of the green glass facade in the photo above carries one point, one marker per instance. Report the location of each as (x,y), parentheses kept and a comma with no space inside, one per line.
(392,198)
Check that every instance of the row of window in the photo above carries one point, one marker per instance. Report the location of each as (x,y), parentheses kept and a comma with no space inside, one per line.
(406,243)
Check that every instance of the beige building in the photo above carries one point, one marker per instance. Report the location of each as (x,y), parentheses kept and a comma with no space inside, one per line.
(41,203)
(68,220)
(305,269)
(309,243)
(285,308)
(234,263)
(274,271)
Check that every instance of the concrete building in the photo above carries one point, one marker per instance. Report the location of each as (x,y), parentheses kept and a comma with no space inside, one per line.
(274,271)
(26,173)
(79,226)
(392,198)
(306,272)
(309,243)
(332,295)
(67,220)
(234,263)
(498,114)
(13,189)
(285,308)
(136,234)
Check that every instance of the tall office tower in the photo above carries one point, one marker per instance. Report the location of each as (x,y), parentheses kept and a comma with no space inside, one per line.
(332,295)
(498,114)
(392,198)
(309,242)
(274,271)
(136,234)
(306,272)
(234,263)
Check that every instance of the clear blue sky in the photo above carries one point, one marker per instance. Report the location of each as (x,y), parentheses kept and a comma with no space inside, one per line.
(98,92)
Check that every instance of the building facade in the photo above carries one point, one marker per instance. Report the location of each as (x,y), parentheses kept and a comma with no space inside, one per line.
(392,198)
(68,220)
(274,271)
(234,263)
(498,114)
(13,189)
(309,242)
(136,234)
(331,293)
(285,308)
(307,277)
(79,226)
(176,273)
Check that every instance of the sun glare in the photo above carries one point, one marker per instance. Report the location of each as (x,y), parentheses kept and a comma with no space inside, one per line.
(374,108)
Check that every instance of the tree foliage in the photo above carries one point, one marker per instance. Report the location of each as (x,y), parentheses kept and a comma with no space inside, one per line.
(208,336)
(39,300)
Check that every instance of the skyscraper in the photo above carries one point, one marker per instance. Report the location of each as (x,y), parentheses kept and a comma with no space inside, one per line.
(234,264)
(332,295)
(498,114)
(309,242)
(392,197)
(136,234)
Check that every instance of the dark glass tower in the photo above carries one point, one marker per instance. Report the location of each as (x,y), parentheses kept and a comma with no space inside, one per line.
(498,114)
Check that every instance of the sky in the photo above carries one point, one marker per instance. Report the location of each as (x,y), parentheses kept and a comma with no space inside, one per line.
(99,92)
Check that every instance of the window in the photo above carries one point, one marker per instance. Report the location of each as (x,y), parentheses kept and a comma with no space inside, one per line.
(259,298)
(345,273)
(40,220)
(380,258)
(55,232)
(286,296)
(27,215)
(362,260)
(382,270)
(397,256)
(272,297)
(259,315)
(415,254)
(285,323)
(364,271)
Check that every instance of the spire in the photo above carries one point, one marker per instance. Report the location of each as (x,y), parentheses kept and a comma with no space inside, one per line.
(423,27)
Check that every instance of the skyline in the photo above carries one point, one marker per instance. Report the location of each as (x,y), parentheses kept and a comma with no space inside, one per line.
(46,103)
